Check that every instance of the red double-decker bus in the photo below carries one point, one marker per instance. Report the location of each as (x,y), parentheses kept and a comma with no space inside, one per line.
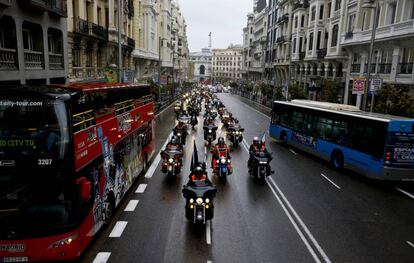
(68,155)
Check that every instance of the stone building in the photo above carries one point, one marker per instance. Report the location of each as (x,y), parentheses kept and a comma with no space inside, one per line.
(227,64)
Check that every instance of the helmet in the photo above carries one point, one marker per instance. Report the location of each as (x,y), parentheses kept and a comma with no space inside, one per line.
(256,141)
(180,123)
(174,139)
(221,140)
(198,172)
(236,120)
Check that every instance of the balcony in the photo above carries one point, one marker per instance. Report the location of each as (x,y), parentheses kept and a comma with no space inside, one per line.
(355,68)
(54,7)
(302,55)
(55,61)
(283,18)
(84,27)
(405,68)
(384,68)
(33,59)
(6,2)
(349,35)
(281,39)
(321,52)
(8,59)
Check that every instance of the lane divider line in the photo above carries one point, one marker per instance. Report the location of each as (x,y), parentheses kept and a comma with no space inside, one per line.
(329,180)
(131,206)
(409,243)
(302,224)
(301,235)
(405,192)
(141,188)
(157,160)
(292,151)
(209,261)
(208,232)
(159,113)
(118,229)
(102,257)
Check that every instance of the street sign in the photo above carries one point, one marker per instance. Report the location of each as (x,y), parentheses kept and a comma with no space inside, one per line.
(358,86)
(375,85)
(129,76)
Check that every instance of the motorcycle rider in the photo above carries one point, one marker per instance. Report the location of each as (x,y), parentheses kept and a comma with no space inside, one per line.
(221,146)
(175,142)
(257,147)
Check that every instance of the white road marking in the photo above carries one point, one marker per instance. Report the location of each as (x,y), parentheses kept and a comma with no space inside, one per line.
(157,160)
(299,220)
(405,192)
(292,151)
(208,232)
(409,243)
(118,229)
(131,206)
(165,108)
(245,147)
(329,180)
(255,109)
(209,261)
(141,188)
(102,257)
(301,235)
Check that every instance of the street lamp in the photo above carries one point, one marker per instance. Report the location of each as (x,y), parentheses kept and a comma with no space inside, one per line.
(375,6)
(159,67)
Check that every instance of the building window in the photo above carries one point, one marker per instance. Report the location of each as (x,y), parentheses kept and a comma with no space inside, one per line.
(296,21)
(300,44)
(334,40)
(337,5)
(27,39)
(313,13)
(1,38)
(329,9)
(311,41)
(76,57)
(391,13)
(318,41)
(294,45)
(351,23)
(302,21)
(321,12)
(363,21)
(89,56)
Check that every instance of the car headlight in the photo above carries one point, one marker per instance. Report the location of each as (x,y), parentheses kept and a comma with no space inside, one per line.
(199,201)
(223,161)
(170,160)
(210,131)
(207,200)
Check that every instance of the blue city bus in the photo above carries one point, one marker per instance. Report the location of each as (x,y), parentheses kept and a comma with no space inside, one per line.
(375,145)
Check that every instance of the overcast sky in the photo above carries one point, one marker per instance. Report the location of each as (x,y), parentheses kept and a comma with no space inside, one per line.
(225,19)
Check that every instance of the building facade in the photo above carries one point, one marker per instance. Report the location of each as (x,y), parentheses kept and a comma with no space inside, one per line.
(201,62)
(227,63)
(33,42)
(393,53)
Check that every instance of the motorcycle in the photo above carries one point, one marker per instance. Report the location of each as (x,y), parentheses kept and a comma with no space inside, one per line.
(171,161)
(199,205)
(193,121)
(222,168)
(235,135)
(181,133)
(210,133)
(260,167)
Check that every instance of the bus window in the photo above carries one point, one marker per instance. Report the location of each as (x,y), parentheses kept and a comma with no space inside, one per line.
(286,116)
(339,132)
(324,128)
(309,123)
(297,121)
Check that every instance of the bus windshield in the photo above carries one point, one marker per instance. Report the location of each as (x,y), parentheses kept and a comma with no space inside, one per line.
(34,142)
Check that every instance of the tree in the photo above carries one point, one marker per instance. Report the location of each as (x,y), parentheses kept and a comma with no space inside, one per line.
(277,93)
(296,92)
(330,90)
(395,101)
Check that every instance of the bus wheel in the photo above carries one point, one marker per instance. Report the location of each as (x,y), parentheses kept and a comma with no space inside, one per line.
(283,137)
(337,159)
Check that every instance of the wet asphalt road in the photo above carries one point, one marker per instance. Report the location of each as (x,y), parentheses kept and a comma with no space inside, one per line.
(306,211)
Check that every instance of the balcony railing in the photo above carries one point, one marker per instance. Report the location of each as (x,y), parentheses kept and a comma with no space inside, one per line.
(384,68)
(33,59)
(302,55)
(54,7)
(355,68)
(349,35)
(8,59)
(55,61)
(405,68)
(321,52)
(90,29)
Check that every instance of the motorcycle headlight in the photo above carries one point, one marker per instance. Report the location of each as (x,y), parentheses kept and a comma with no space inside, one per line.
(191,200)
(178,134)
(262,162)
(210,131)
(217,161)
(223,161)
(228,161)
(199,200)
(170,160)
(207,200)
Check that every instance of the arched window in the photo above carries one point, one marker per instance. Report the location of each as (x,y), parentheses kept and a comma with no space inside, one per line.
(202,70)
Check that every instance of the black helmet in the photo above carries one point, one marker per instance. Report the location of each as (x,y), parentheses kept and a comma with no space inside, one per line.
(256,141)
(221,140)
(198,172)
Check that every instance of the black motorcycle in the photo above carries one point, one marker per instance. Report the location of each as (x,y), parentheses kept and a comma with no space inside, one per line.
(260,166)
(193,121)
(171,160)
(235,135)
(181,133)
(210,133)
(199,205)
